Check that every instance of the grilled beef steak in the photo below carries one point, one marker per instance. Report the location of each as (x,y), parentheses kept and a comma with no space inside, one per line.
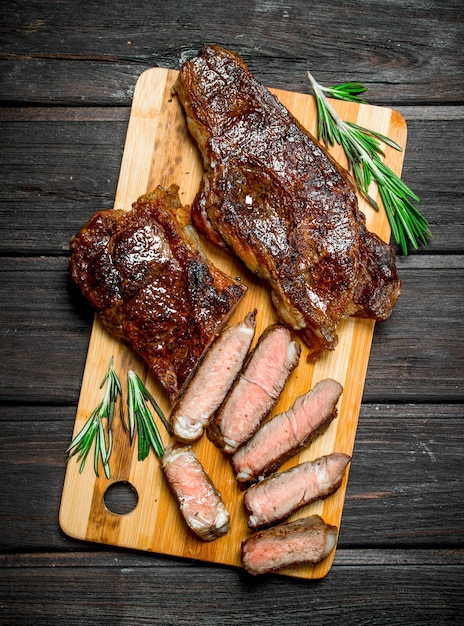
(212,380)
(278,496)
(306,540)
(277,199)
(286,434)
(200,502)
(144,272)
(256,390)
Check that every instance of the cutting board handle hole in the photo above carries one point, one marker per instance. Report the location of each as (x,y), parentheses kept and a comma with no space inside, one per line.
(121,497)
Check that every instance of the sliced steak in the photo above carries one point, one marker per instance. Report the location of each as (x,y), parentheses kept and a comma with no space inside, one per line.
(278,496)
(280,202)
(146,275)
(257,389)
(212,380)
(200,502)
(306,540)
(287,433)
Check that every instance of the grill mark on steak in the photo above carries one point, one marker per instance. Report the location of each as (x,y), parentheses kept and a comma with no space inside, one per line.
(211,381)
(200,502)
(278,200)
(287,433)
(278,496)
(146,275)
(257,389)
(306,540)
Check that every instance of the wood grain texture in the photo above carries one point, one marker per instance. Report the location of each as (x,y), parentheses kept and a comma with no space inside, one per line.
(61,164)
(405,48)
(67,79)
(42,313)
(158,150)
(404,490)
(140,589)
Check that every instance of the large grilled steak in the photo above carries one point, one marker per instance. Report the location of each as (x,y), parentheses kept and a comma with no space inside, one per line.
(144,272)
(277,199)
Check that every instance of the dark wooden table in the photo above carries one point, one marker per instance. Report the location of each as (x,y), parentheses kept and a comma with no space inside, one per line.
(67,74)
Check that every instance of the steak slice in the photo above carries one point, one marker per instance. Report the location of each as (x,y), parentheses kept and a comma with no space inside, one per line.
(278,496)
(277,199)
(211,381)
(146,275)
(257,389)
(306,540)
(200,502)
(286,434)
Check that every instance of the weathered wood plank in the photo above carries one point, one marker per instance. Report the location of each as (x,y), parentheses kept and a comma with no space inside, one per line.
(91,55)
(111,113)
(76,82)
(405,485)
(119,591)
(45,327)
(422,341)
(53,177)
(109,557)
(54,174)
(440,112)
(406,481)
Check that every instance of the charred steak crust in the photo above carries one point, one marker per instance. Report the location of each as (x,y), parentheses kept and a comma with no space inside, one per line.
(277,199)
(145,273)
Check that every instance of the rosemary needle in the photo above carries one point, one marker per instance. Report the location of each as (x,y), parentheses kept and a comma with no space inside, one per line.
(141,418)
(93,430)
(363,149)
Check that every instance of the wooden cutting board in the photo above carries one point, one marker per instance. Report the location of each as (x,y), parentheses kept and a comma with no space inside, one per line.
(158,150)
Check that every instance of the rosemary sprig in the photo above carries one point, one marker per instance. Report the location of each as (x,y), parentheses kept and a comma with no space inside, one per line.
(141,418)
(93,430)
(363,150)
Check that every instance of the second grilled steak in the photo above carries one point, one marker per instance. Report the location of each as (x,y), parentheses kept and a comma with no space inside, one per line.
(145,273)
(275,198)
